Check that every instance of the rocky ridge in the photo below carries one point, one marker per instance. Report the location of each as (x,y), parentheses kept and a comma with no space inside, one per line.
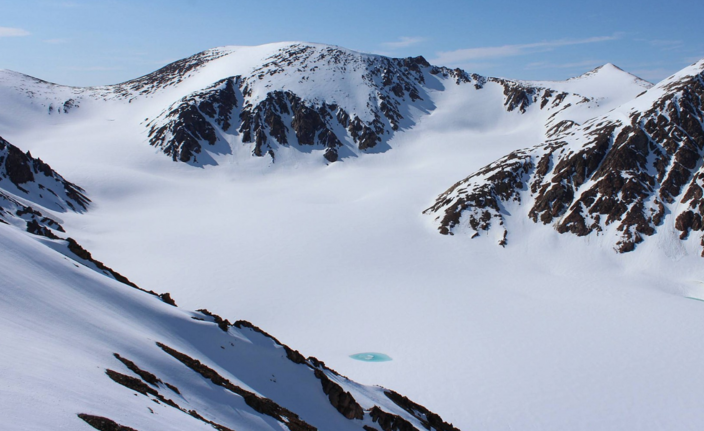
(623,174)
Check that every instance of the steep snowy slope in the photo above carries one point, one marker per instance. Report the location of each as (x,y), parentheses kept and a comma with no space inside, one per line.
(626,175)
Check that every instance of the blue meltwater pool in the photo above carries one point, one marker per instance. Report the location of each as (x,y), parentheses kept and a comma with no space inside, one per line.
(371,357)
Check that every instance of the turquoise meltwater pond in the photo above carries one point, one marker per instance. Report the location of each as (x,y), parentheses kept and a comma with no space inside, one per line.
(371,357)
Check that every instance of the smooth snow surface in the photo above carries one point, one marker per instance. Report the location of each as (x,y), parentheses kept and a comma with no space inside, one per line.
(550,333)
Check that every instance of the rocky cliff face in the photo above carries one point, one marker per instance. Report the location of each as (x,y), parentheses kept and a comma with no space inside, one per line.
(196,120)
(621,174)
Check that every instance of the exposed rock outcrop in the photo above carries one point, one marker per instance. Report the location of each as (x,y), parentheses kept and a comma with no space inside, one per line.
(34,180)
(143,388)
(342,400)
(103,424)
(429,419)
(186,126)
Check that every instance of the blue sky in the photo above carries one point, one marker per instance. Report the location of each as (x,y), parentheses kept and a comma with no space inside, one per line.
(96,42)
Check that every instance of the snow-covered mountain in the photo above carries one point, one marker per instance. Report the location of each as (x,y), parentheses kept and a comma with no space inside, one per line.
(627,174)
(284,184)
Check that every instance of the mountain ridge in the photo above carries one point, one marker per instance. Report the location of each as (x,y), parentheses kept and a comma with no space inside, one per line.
(339,102)
(628,166)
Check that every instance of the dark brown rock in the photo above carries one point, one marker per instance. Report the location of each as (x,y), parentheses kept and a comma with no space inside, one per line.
(17,166)
(181,131)
(131,383)
(390,422)
(429,419)
(342,400)
(223,324)
(166,298)
(103,424)
(292,355)
(145,375)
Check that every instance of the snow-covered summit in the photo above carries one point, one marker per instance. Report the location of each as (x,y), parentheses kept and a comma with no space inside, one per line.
(609,71)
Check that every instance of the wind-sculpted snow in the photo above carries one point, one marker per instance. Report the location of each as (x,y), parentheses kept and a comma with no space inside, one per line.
(625,174)
(187,370)
(30,190)
(170,75)
(53,98)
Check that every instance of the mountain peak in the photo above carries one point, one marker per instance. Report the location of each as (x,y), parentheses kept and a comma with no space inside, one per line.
(607,67)
(610,71)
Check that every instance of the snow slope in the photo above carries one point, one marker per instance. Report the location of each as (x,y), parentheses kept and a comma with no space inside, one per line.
(549,333)
(84,346)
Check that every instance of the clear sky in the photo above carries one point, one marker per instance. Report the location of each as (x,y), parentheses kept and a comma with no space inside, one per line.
(92,42)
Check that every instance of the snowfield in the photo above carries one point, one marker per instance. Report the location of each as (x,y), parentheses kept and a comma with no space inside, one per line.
(551,332)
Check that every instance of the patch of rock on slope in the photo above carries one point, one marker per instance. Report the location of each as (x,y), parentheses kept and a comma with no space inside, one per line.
(620,174)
